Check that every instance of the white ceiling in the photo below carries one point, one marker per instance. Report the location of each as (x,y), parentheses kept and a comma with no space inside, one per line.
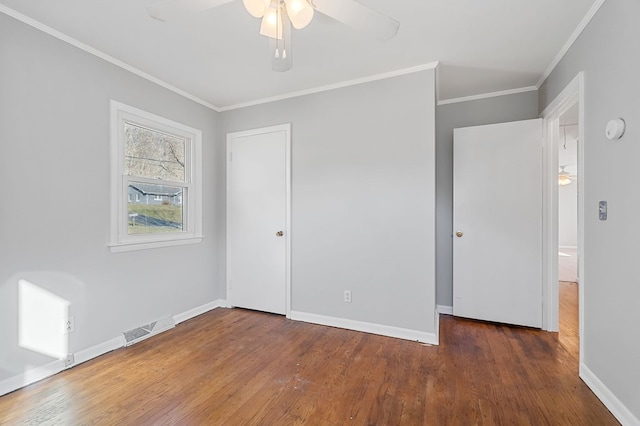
(218,56)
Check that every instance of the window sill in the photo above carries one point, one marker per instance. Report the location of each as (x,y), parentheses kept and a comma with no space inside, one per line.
(135,245)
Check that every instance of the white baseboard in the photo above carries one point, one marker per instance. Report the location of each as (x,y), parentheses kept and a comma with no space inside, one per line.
(31,376)
(367,327)
(613,404)
(54,367)
(437,322)
(97,350)
(445,310)
(191,313)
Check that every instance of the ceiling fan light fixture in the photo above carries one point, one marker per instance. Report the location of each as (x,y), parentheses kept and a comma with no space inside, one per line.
(564,178)
(300,13)
(271,25)
(256,8)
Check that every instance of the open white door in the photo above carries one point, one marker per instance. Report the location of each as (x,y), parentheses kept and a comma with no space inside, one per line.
(497,249)
(258,219)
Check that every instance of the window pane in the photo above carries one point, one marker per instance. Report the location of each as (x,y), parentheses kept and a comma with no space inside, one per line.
(152,154)
(154,208)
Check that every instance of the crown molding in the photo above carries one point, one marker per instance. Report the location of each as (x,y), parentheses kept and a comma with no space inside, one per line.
(376,77)
(72,41)
(572,38)
(433,65)
(488,95)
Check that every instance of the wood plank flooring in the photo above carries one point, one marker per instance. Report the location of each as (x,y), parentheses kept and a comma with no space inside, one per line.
(237,367)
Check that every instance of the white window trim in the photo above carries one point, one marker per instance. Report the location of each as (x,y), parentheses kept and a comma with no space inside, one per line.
(120,240)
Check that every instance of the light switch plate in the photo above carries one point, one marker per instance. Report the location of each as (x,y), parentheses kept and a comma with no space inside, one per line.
(602,210)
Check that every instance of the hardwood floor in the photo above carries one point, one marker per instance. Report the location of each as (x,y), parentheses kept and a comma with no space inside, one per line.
(237,367)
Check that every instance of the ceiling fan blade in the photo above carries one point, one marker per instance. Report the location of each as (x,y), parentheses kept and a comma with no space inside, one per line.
(360,17)
(174,10)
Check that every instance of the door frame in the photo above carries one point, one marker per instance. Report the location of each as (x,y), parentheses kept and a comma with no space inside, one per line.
(571,95)
(287,231)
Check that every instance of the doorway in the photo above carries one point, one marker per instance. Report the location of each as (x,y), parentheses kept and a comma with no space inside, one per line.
(563,117)
(568,256)
(568,196)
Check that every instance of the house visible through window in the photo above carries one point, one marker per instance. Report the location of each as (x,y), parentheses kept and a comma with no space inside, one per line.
(157,160)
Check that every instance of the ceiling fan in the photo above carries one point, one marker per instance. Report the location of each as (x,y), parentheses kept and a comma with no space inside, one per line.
(564,177)
(278,16)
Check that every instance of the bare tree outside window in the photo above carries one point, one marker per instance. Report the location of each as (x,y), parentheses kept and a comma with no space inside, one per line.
(152,154)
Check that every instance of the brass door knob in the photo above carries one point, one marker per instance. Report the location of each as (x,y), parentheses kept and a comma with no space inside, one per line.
(459,234)
(279,234)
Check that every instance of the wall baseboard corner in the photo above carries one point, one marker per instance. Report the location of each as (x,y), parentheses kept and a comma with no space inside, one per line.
(445,310)
(199,310)
(613,404)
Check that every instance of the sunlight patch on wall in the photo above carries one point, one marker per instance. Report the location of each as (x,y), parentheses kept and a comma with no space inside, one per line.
(41,319)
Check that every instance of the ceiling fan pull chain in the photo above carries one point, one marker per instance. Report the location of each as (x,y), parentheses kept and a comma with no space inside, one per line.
(284,44)
(278,29)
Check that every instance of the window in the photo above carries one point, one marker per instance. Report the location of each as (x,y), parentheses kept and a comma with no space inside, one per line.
(159,160)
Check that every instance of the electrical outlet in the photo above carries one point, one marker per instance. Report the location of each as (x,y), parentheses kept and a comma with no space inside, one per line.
(70,325)
(347,296)
(69,360)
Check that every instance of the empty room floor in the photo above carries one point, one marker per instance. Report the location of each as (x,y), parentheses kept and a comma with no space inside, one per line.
(237,367)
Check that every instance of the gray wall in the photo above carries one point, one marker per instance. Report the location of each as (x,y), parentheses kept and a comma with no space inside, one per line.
(363,198)
(607,53)
(54,143)
(522,106)
(568,215)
